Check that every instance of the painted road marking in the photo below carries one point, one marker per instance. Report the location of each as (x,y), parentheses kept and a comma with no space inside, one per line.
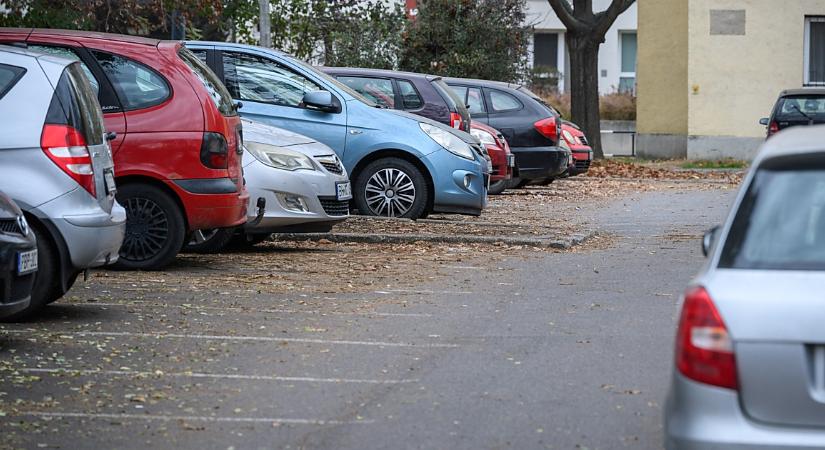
(231,338)
(137,303)
(218,376)
(170,418)
(428,292)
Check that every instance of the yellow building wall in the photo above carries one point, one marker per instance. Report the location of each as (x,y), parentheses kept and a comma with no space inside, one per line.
(662,71)
(733,80)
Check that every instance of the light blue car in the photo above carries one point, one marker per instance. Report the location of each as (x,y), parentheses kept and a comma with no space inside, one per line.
(401,165)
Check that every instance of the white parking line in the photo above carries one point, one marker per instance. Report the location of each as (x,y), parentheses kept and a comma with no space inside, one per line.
(139,303)
(411,291)
(231,338)
(218,376)
(169,418)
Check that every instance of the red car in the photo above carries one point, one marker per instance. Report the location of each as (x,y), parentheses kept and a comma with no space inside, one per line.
(175,136)
(498,149)
(581,151)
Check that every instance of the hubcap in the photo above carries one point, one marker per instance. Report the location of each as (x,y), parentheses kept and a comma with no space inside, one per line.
(390,192)
(147,230)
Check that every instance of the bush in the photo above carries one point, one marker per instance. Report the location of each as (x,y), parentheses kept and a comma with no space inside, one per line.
(617,106)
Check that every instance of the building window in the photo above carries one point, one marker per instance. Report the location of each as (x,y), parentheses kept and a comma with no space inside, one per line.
(815,51)
(627,75)
(546,50)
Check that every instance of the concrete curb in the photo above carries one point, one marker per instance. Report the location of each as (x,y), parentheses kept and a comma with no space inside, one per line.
(561,244)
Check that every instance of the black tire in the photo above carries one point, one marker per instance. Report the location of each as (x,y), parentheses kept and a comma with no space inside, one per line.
(155,229)
(383,201)
(544,182)
(498,187)
(47,287)
(518,183)
(210,241)
(69,283)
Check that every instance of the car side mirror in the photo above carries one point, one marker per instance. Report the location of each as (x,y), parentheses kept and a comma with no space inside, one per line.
(763,121)
(709,239)
(322,101)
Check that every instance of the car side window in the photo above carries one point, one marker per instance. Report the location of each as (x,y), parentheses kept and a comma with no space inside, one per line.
(137,85)
(378,90)
(200,53)
(9,75)
(409,95)
(475,101)
(502,101)
(258,79)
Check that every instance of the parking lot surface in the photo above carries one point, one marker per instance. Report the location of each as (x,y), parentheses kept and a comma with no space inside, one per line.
(346,345)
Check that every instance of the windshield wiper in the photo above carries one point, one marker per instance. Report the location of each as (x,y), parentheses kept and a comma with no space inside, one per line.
(810,119)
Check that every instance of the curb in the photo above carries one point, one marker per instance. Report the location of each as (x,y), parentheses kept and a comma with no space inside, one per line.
(560,244)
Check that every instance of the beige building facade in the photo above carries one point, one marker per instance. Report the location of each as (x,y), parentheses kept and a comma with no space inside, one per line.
(708,70)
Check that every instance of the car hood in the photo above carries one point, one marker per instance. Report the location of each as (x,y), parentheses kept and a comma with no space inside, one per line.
(466,137)
(8,210)
(267,134)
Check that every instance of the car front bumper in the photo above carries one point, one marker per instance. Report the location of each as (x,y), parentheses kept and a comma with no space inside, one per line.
(15,290)
(317,190)
(460,184)
(537,163)
(699,416)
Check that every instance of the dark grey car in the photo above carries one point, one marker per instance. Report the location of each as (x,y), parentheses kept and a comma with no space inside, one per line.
(18,258)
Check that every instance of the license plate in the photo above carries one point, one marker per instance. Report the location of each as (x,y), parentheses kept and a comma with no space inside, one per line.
(109,179)
(511,161)
(343,190)
(26,262)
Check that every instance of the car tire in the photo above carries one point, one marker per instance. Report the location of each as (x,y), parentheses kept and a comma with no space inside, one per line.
(384,178)
(209,241)
(46,287)
(142,250)
(498,187)
(518,183)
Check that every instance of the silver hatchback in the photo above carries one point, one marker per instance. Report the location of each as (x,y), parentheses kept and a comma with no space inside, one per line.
(55,163)
(750,347)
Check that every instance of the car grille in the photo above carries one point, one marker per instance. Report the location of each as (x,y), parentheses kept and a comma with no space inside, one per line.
(583,164)
(332,164)
(583,140)
(10,226)
(334,207)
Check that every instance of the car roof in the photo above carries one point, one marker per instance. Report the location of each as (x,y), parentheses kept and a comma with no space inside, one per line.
(381,72)
(9,49)
(236,45)
(803,91)
(97,35)
(490,83)
(794,141)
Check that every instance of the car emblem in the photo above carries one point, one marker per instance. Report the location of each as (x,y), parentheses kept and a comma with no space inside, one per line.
(23,225)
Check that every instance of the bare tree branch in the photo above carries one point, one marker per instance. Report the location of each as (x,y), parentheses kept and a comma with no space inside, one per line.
(564,11)
(604,20)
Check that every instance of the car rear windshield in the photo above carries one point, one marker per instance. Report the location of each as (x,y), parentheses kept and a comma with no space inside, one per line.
(801,108)
(454,102)
(75,104)
(537,98)
(217,91)
(780,224)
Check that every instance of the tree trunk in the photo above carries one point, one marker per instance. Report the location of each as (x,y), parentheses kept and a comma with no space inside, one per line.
(584,88)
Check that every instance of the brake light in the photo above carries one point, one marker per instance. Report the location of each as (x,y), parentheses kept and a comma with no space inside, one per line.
(214,151)
(773,128)
(548,128)
(456,121)
(704,348)
(66,147)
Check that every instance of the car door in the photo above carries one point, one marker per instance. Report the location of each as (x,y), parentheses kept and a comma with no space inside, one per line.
(272,93)
(113,115)
(505,114)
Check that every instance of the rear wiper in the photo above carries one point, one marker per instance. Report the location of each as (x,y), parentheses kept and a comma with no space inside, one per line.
(810,119)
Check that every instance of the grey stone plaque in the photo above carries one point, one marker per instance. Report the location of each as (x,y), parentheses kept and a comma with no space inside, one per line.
(727,22)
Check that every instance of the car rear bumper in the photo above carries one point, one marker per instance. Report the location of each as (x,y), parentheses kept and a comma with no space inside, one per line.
(215,202)
(536,163)
(699,416)
(449,173)
(93,240)
(15,290)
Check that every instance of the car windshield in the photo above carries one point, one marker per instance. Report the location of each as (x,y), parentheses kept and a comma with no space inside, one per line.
(781,222)
(801,107)
(331,80)
(453,100)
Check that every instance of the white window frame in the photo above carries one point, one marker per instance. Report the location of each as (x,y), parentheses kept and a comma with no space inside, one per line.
(806,56)
(621,59)
(560,52)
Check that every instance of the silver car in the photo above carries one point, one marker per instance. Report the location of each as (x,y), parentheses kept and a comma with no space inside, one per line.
(750,347)
(55,163)
(304,186)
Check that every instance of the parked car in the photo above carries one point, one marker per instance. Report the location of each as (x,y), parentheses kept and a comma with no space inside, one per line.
(178,142)
(579,147)
(750,347)
(531,127)
(400,164)
(425,95)
(503,161)
(794,107)
(302,181)
(18,253)
(56,164)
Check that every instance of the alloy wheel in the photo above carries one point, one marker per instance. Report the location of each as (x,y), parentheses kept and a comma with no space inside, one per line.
(201,236)
(147,229)
(390,192)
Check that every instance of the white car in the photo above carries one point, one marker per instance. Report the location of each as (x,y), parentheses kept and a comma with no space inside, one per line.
(302,182)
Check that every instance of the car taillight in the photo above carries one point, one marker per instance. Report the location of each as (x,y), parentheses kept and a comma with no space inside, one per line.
(66,147)
(704,348)
(773,128)
(548,128)
(214,151)
(456,121)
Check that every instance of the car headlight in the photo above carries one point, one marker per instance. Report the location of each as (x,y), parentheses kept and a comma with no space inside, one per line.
(279,157)
(483,136)
(568,136)
(449,141)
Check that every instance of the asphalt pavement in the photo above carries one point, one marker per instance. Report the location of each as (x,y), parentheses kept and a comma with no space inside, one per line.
(547,349)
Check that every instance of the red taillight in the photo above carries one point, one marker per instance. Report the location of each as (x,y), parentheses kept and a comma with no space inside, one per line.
(704,348)
(456,121)
(214,151)
(548,128)
(773,128)
(66,147)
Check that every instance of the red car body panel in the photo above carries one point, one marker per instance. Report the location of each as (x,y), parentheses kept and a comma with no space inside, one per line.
(500,154)
(163,142)
(582,153)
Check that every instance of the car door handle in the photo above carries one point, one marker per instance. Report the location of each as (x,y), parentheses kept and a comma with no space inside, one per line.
(111,136)
(354,132)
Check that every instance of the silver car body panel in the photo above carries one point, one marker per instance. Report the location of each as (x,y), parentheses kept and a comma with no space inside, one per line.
(266,181)
(91,227)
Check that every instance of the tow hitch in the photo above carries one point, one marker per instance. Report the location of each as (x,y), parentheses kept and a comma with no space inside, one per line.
(261,204)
